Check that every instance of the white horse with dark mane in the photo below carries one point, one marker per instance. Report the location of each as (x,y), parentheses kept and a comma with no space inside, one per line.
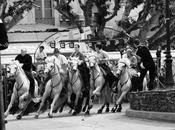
(21,89)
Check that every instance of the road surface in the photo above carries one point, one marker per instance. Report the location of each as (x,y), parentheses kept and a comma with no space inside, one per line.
(105,121)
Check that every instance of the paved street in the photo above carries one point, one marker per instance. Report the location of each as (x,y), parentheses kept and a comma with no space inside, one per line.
(64,121)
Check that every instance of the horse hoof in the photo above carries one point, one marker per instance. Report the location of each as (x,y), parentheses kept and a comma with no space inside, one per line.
(18,117)
(99,111)
(87,113)
(61,110)
(74,113)
(36,116)
(119,109)
(5,121)
(107,110)
(50,115)
(113,110)
(84,109)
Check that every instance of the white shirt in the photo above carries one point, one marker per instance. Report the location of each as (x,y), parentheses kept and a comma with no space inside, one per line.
(60,60)
(40,55)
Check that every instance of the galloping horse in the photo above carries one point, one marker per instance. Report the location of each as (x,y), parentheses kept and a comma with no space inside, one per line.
(98,82)
(75,83)
(21,89)
(53,87)
(124,84)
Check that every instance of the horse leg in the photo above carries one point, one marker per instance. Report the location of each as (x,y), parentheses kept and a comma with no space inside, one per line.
(107,107)
(19,116)
(50,114)
(101,109)
(69,94)
(107,98)
(45,95)
(86,104)
(113,110)
(119,101)
(119,108)
(13,98)
(76,103)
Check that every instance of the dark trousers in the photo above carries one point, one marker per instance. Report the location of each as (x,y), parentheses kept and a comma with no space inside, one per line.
(110,76)
(152,75)
(32,82)
(85,74)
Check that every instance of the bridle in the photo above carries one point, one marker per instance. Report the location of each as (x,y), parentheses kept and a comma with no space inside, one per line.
(53,69)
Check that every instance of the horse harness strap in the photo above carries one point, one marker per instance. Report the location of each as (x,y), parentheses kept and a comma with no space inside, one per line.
(57,83)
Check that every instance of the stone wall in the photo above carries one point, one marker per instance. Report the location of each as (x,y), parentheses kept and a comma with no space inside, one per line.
(158,101)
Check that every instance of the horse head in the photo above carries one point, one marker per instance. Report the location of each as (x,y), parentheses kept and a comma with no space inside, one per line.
(50,68)
(121,66)
(92,61)
(14,67)
(73,63)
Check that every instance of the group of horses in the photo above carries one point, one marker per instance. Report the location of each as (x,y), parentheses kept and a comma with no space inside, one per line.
(65,87)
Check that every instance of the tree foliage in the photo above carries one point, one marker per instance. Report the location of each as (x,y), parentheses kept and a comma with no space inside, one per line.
(12,11)
(101,17)
(151,21)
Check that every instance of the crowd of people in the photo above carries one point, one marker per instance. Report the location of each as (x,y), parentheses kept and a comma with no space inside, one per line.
(137,56)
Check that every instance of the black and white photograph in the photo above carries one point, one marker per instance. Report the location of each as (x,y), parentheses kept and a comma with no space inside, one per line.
(87,64)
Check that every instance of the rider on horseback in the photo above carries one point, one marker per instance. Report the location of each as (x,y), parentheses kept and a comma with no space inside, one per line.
(26,59)
(60,60)
(102,55)
(132,62)
(84,71)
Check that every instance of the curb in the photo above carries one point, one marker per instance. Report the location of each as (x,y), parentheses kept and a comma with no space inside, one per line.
(160,116)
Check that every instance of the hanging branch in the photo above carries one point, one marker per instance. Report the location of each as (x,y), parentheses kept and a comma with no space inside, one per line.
(116,8)
(65,9)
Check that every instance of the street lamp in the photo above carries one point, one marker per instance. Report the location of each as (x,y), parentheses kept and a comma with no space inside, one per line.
(168,60)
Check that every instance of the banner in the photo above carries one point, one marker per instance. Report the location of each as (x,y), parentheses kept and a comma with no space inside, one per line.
(87,30)
(64,35)
(76,34)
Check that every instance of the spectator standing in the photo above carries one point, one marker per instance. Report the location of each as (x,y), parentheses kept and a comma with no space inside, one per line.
(41,55)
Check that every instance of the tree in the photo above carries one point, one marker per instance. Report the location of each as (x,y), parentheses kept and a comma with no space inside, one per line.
(11,12)
(150,22)
(103,14)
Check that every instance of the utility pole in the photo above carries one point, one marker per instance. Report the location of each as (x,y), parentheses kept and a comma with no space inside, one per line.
(168,60)
(2,121)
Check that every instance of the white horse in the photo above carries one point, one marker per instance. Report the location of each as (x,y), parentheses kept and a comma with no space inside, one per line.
(53,87)
(75,82)
(21,89)
(124,84)
(98,82)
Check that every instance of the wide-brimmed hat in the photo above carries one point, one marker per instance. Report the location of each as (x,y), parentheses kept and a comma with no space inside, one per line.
(56,50)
